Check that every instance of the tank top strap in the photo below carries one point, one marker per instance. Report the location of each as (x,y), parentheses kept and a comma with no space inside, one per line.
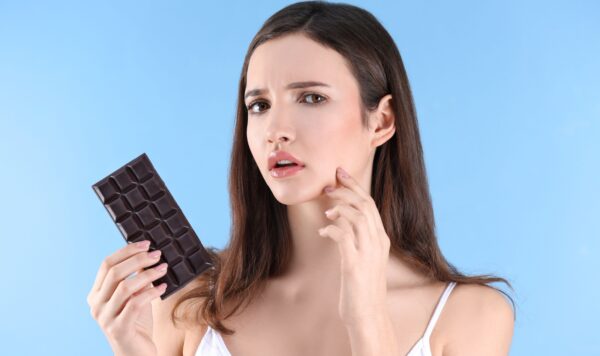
(212,344)
(438,309)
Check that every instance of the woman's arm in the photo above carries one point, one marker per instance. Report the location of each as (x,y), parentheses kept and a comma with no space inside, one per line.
(374,336)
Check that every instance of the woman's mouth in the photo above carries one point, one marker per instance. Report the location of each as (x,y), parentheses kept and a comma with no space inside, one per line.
(283,164)
(285,171)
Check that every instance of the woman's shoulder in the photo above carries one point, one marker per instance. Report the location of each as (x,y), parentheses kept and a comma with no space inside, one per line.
(477,301)
(476,316)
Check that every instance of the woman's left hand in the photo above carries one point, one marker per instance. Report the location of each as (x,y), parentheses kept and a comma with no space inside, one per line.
(364,247)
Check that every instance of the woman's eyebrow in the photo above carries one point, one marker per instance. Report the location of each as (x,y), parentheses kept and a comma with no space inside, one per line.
(295,85)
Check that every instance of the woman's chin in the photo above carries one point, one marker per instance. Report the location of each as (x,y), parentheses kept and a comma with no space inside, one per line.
(295,196)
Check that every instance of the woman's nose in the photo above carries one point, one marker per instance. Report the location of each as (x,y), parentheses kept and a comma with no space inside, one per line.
(279,136)
(280,130)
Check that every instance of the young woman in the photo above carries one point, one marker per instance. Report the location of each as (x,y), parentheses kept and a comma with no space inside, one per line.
(352,271)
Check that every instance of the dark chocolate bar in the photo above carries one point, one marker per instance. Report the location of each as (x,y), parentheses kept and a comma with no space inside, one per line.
(142,208)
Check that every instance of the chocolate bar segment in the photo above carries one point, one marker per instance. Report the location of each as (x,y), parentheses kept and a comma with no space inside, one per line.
(142,208)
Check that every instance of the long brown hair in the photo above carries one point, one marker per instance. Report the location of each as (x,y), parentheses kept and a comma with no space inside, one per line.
(260,243)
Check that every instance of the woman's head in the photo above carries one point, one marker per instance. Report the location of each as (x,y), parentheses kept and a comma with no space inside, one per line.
(324,125)
(368,116)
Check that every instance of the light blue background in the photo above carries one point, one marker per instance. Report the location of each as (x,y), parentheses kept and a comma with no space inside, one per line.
(507,95)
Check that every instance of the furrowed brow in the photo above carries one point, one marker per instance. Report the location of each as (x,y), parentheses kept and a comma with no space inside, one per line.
(295,85)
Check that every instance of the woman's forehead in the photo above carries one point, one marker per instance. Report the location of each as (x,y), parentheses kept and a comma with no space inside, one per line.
(294,58)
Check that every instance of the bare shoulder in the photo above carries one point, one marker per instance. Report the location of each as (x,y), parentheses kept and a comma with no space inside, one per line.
(168,337)
(479,320)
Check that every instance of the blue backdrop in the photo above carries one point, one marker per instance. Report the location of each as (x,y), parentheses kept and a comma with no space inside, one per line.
(507,95)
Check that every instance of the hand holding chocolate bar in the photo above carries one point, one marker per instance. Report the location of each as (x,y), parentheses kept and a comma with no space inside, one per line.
(121,305)
(162,248)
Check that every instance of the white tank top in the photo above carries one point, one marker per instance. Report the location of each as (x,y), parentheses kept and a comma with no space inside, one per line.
(212,343)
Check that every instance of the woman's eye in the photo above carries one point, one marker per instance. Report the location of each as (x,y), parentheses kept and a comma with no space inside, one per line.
(320,97)
(249,107)
(315,95)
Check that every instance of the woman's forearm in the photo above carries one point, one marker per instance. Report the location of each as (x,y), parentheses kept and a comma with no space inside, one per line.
(373,337)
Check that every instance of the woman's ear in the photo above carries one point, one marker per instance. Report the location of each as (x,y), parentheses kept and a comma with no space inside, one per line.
(383,121)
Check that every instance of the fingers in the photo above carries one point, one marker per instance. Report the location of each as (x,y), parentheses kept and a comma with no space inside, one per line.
(117,257)
(344,240)
(352,220)
(148,285)
(365,206)
(346,180)
(124,284)
(345,194)
(121,270)
(133,287)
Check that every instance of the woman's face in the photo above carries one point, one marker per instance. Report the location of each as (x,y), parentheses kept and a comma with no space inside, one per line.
(320,126)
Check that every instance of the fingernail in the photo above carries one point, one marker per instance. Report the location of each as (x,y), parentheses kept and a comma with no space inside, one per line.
(161,267)
(329,189)
(154,254)
(143,244)
(343,173)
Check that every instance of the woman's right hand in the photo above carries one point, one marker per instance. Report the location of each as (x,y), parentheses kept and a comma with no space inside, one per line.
(122,306)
